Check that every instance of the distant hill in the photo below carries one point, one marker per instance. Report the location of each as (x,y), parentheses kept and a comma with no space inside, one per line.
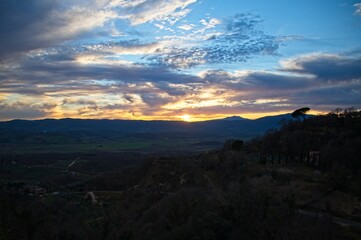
(231,127)
(234,118)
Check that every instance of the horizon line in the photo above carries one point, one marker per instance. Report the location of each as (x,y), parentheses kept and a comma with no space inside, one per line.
(179,119)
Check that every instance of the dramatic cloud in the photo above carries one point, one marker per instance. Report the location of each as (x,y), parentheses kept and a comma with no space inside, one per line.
(161,59)
(139,91)
(326,67)
(41,23)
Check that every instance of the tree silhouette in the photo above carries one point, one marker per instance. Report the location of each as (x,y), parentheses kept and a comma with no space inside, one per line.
(300,112)
(233,144)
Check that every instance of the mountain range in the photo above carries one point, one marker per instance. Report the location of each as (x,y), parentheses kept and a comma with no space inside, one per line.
(231,127)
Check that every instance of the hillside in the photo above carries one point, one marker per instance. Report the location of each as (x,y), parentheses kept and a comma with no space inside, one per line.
(266,188)
(221,127)
(126,135)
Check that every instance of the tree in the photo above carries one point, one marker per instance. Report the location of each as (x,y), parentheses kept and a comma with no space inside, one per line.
(233,144)
(300,112)
(237,145)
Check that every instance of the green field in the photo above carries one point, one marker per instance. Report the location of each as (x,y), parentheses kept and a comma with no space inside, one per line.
(121,145)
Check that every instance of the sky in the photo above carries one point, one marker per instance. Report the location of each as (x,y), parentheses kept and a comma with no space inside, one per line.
(186,60)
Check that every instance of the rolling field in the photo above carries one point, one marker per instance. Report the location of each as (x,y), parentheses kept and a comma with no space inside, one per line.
(121,145)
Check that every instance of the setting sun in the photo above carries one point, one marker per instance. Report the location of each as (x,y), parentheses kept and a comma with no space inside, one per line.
(186,118)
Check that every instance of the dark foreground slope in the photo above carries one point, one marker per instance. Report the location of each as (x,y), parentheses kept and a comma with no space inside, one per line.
(220,195)
(223,194)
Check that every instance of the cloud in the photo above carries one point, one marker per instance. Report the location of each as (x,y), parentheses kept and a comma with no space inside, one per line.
(156,99)
(111,90)
(326,67)
(300,81)
(24,110)
(248,86)
(327,97)
(358,8)
(240,40)
(139,12)
(210,23)
(92,59)
(72,101)
(40,24)
(127,47)
(95,81)
(53,73)
(186,27)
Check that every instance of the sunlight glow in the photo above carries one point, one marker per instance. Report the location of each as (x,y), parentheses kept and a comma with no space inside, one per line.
(186,118)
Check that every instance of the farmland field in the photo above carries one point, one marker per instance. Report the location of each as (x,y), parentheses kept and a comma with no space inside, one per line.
(118,145)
